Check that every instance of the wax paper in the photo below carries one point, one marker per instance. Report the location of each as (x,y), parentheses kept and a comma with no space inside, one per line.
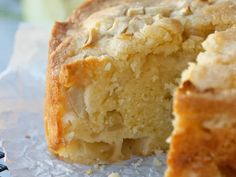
(21,119)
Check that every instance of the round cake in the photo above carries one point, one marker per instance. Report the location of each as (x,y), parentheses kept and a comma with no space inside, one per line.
(116,67)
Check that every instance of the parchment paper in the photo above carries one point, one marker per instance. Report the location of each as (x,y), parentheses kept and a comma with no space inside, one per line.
(21,119)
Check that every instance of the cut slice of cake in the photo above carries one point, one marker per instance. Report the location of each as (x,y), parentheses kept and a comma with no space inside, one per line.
(203,143)
(112,70)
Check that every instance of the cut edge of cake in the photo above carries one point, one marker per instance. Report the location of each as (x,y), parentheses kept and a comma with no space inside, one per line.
(203,142)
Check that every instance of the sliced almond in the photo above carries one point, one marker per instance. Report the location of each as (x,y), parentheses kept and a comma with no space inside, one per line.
(151,10)
(106,25)
(91,38)
(126,36)
(135,25)
(186,11)
(147,19)
(119,26)
(135,11)
(163,10)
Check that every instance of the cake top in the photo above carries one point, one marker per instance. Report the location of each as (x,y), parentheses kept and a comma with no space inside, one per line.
(215,67)
(128,28)
(139,27)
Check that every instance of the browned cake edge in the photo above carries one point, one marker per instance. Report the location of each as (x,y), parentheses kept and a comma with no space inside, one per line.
(203,143)
(59,51)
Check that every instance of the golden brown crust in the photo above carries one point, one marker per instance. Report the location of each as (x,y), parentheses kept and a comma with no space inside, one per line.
(203,142)
(58,33)
(54,109)
(54,91)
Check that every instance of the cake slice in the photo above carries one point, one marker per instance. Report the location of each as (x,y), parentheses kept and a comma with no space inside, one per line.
(203,143)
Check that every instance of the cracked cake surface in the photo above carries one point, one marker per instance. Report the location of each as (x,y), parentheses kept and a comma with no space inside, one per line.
(113,68)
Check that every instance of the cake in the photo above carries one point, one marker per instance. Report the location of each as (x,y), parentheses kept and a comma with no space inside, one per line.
(112,71)
(204,139)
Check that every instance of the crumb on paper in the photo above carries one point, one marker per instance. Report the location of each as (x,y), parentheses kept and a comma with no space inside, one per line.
(99,167)
(114,175)
(158,152)
(27,136)
(96,166)
(168,140)
(89,171)
(157,162)
(137,164)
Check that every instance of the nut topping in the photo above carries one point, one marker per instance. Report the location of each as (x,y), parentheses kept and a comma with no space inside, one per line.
(135,11)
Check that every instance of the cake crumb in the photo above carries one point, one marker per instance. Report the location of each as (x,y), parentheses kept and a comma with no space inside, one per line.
(114,175)
(89,171)
(168,140)
(157,162)
(158,152)
(27,136)
(137,164)
(96,166)
(99,167)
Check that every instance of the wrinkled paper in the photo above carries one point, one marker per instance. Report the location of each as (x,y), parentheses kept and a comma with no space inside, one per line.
(21,119)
